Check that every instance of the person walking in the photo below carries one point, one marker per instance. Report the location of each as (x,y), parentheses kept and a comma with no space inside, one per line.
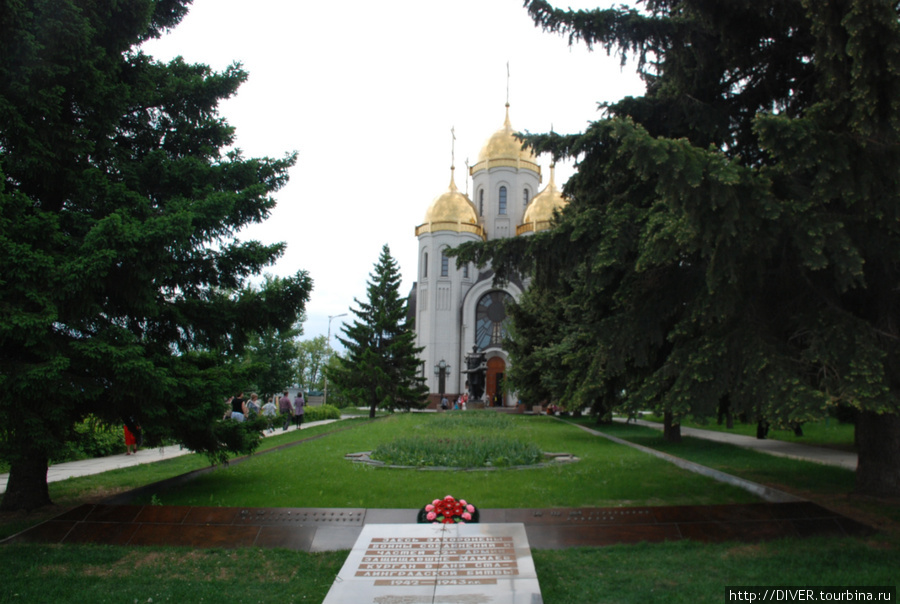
(237,407)
(251,407)
(284,407)
(299,408)
(133,435)
(269,411)
(130,442)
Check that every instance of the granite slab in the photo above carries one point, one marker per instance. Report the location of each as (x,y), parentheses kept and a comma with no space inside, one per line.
(432,563)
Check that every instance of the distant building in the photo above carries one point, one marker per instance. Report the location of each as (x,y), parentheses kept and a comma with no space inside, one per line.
(458,309)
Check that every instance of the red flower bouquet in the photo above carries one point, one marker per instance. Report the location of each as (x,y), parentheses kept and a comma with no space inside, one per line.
(448,511)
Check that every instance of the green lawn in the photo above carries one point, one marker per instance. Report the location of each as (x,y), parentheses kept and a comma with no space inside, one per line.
(104,574)
(688,572)
(780,472)
(828,485)
(315,473)
(644,573)
(825,433)
(75,490)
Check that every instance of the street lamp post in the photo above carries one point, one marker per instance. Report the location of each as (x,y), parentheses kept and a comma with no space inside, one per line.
(328,343)
(442,370)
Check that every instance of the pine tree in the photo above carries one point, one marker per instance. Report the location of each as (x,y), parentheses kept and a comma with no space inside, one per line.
(733,234)
(381,367)
(124,289)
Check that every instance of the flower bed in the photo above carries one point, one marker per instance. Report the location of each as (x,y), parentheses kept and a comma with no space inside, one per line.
(458,452)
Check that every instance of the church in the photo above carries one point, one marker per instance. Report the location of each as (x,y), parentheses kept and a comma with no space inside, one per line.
(458,312)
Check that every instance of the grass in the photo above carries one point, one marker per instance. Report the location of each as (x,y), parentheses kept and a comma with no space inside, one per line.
(681,571)
(316,474)
(827,485)
(124,479)
(826,433)
(684,571)
(100,574)
(72,492)
(361,412)
(780,472)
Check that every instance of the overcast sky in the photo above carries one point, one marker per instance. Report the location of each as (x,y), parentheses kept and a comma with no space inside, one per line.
(366,93)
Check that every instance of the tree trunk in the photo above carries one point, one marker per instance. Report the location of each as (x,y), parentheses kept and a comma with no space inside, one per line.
(725,413)
(27,486)
(878,471)
(671,429)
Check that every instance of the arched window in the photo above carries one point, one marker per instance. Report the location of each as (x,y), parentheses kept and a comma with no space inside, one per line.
(425,266)
(445,265)
(490,319)
(502,209)
(481,202)
(526,197)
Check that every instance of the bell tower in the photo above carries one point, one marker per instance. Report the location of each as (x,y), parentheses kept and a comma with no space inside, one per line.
(505,179)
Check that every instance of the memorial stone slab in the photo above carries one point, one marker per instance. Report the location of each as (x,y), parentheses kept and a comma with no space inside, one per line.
(438,564)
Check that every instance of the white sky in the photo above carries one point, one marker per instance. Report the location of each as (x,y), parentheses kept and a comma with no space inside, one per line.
(367,92)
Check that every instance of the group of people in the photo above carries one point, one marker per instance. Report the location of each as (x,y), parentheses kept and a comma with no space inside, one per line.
(289,409)
(238,408)
(458,405)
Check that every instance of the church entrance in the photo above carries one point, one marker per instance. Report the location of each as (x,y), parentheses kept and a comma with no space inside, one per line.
(496,370)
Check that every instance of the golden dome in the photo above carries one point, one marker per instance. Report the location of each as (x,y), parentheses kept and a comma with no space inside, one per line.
(540,210)
(504,149)
(451,211)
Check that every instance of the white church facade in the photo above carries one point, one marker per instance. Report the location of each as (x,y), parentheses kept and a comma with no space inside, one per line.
(459,310)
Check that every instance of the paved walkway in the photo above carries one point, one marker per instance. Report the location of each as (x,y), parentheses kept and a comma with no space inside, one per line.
(823,455)
(98,465)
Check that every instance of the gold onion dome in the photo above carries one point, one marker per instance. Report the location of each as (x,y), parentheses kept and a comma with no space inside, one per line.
(540,210)
(451,211)
(504,149)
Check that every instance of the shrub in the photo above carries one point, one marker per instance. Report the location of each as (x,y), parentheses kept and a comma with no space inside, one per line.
(458,452)
(92,438)
(461,440)
(96,441)
(320,412)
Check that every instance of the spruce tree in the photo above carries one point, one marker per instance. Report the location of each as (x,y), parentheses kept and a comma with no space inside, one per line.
(124,287)
(381,368)
(733,237)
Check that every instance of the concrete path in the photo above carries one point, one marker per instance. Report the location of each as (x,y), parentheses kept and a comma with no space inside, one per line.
(831,457)
(85,467)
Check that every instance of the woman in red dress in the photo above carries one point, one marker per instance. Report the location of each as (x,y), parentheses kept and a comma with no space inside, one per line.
(130,441)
